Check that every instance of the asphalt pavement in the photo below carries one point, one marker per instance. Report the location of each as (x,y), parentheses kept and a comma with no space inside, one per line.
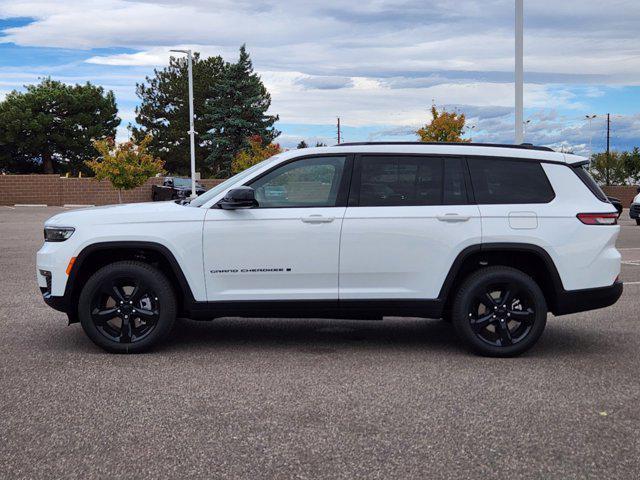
(294,398)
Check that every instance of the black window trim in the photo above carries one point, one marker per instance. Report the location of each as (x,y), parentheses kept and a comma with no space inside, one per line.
(354,193)
(475,158)
(343,189)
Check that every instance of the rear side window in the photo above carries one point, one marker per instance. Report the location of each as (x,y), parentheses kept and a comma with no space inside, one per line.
(410,181)
(503,181)
(583,174)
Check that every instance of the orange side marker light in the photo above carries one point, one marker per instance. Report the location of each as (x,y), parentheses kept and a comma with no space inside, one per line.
(70,266)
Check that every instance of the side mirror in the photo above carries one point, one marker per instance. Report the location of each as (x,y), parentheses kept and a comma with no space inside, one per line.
(241,197)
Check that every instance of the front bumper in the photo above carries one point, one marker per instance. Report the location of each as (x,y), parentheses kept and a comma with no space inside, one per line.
(57,303)
(573,301)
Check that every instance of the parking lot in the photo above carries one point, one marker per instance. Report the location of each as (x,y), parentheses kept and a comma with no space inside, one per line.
(256,398)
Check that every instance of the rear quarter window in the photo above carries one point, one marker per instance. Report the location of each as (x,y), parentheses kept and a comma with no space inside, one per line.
(582,173)
(504,181)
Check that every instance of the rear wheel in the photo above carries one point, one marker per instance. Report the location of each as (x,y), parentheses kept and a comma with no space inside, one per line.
(127,307)
(499,312)
(637,221)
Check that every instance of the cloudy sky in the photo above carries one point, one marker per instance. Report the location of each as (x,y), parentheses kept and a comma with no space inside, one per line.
(377,64)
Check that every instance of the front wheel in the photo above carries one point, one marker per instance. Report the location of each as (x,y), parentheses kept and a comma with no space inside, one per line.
(127,307)
(499,312)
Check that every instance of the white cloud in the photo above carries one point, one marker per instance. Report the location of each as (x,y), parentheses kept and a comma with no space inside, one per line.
(376,62)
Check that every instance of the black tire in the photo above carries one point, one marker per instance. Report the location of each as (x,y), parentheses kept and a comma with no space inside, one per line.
(127,307)
(499,312)
(637,221)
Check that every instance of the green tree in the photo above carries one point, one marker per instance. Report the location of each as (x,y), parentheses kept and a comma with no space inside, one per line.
(445,127)
(320,144)
(256,151)
(125,165)
(164,111)
(236,113)
(631,163)
(50,127)
(302,144)
(616,168)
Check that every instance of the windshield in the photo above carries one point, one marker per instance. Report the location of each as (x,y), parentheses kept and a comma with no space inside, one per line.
(205,197)
(182,182)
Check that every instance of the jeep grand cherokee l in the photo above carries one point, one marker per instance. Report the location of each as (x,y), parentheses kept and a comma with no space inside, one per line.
(489,237)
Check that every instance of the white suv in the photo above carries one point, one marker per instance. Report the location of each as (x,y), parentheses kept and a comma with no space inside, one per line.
(489,237)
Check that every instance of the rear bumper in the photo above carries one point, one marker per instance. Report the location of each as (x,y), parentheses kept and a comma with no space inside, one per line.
(573,301)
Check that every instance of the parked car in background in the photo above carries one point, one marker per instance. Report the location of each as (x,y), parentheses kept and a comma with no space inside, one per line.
(634,211)
(173,188)
(616,203)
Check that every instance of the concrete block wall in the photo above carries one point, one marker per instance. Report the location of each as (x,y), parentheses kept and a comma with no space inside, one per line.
(56,190)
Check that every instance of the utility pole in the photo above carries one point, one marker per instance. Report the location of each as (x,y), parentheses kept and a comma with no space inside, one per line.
(338,130)
(519,73)
(192,130)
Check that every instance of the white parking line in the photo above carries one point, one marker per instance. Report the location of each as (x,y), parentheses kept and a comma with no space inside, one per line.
(632,283)
(634,263)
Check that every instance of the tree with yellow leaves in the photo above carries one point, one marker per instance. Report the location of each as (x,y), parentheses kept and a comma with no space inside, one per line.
(125,165)
(254,153)
(445,127)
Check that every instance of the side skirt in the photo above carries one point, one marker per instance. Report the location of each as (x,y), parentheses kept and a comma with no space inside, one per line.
(346,309)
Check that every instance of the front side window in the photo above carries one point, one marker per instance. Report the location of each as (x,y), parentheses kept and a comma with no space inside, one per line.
(503,181)
(405,180)
(310,182)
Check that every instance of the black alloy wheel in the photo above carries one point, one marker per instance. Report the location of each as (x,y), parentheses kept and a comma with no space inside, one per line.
(127,307)
(500,311)
(502,314)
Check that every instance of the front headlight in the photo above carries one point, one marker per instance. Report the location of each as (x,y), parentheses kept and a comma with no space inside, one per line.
(57,234)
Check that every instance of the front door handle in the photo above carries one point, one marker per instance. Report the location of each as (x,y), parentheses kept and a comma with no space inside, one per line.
(453,217)
(317,219)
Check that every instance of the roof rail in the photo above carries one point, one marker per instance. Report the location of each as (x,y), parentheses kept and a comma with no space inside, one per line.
(524,146)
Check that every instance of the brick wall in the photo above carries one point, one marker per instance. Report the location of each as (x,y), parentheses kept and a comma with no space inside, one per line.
(56,190)
(624,193)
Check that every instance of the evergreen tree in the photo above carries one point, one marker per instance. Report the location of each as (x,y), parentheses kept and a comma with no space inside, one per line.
(164,112)
(51,126)
(237,112)
(302,144)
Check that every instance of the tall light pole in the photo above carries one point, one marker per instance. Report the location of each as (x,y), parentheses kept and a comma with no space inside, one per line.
(191,131)
(589,119)
(519,73)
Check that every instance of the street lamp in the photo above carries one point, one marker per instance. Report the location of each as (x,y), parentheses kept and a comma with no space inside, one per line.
(589,119)
(191,131)
(519,71)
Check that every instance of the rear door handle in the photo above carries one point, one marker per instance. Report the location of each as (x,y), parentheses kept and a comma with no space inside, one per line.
(317,219)
(453,217)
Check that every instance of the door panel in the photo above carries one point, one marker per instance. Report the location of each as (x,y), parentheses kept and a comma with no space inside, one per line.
(402,252)
(406,223)
(272,254)
(288,247)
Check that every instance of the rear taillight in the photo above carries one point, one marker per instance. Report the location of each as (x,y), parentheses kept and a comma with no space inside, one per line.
(598,218)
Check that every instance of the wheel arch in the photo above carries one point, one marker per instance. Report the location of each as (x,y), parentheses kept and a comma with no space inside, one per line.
(531,259)
(95,256)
